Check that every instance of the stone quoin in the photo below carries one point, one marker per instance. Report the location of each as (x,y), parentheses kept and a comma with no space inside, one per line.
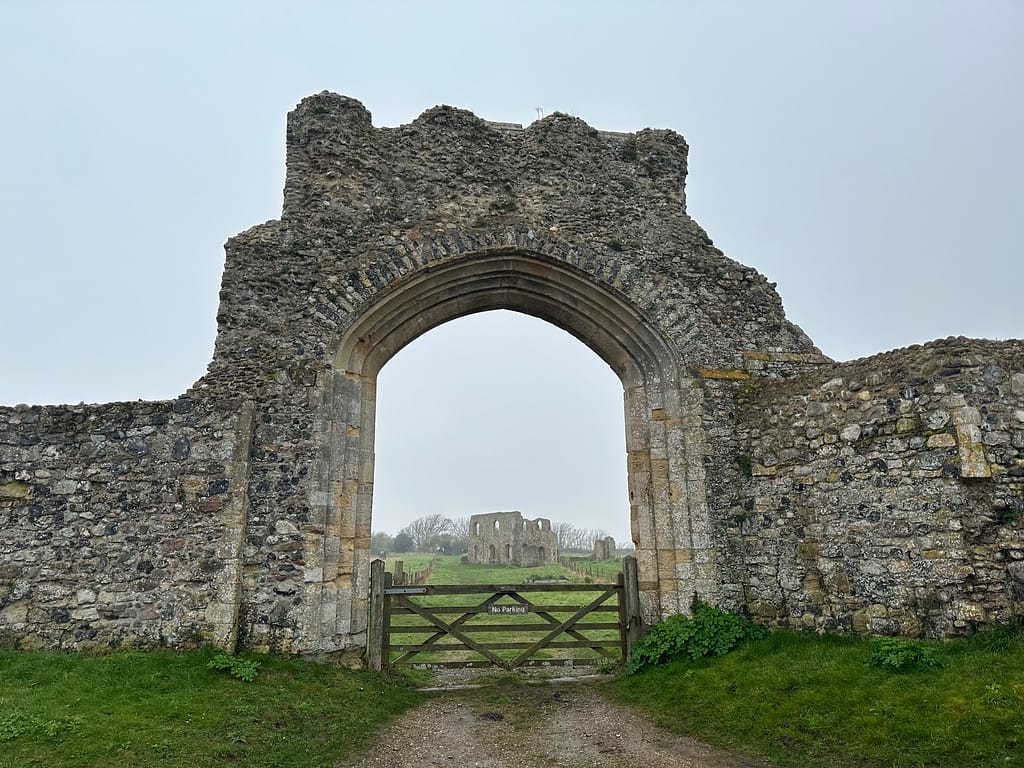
(883,495)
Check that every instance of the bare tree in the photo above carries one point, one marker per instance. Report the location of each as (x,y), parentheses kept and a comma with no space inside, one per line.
(381,542)
(458,540)
(566,533)
(573,539)
(460,527)
(425,530)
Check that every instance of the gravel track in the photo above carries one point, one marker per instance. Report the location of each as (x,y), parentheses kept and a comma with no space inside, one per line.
(551,725)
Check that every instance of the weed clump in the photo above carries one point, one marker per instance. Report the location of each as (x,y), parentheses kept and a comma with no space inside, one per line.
(900,655)
(244,669)
(999,638)
(710,632)
(15,723)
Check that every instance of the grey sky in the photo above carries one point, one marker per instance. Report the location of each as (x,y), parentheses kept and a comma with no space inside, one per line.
(866,156)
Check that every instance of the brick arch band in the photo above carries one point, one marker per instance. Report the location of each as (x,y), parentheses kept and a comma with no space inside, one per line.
(664,439)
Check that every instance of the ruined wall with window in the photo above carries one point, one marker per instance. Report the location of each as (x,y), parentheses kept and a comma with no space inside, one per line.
(506,538)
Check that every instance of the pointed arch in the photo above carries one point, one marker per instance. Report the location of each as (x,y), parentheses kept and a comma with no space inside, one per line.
(663,407)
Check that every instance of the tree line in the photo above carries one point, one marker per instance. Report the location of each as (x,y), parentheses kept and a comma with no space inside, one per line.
(450,536)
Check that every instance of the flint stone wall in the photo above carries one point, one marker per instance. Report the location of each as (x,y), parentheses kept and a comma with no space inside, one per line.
(240,513)
(886,495)
(120,524)
(367,212)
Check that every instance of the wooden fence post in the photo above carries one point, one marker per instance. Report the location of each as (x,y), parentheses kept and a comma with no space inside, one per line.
(375,640)
(631,599)
(385,634)
(623,616)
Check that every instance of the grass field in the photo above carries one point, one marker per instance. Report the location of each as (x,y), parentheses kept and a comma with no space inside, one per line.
(165,709)
(412,562)
(811,700)
(449,570)
(604,571)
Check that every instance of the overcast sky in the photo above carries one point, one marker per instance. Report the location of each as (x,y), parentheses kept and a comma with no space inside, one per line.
(867,156)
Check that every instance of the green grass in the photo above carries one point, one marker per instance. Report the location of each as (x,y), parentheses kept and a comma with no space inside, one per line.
(165,709)
(808,700)
(412,562)
(449,570)
(603,572)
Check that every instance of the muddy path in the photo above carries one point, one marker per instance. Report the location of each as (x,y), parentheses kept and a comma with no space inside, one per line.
(534,726)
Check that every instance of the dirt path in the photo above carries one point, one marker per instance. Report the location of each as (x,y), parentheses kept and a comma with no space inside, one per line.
(534,726)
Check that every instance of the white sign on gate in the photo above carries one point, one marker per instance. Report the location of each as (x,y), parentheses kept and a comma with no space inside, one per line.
(507,609)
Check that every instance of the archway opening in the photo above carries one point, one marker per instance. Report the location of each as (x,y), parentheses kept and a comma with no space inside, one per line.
(665,443)
(498,411)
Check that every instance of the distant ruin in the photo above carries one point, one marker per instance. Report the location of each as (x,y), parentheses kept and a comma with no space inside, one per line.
(882,495)
(604,549)
(505,538)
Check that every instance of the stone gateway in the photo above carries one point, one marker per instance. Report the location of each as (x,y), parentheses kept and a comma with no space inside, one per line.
(883,495)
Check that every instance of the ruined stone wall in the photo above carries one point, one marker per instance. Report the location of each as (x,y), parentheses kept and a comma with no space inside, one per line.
(366,210)
(506,538)
(604,549)
(880,495)
(885,495)
(365,207)
(120,524)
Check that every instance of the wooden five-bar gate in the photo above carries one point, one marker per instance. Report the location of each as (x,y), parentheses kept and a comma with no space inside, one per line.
(508,626)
